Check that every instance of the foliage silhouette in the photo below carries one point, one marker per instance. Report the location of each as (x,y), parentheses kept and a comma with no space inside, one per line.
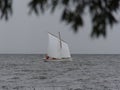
(5,8)
(101,12)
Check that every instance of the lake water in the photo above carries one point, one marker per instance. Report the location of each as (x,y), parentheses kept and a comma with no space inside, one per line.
(85,72)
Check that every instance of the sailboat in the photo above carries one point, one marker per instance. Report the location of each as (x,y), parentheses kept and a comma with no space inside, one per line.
(58,49)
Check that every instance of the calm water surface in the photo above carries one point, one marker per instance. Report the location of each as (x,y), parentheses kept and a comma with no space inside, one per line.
(85,72)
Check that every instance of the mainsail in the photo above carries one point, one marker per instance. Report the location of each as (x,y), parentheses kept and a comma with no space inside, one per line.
(57,48)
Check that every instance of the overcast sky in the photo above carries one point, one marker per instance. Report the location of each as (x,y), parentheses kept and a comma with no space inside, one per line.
(27,34)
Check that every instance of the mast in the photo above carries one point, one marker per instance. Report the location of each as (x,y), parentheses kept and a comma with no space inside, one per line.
(60,40)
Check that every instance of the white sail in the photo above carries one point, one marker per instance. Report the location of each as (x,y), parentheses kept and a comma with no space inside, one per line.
(65,53)
(54,48)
